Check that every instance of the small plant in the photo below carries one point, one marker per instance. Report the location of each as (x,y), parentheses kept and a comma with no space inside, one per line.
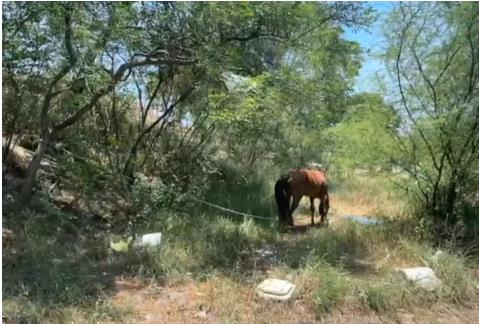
(333,286)
(384,294)
(458,283)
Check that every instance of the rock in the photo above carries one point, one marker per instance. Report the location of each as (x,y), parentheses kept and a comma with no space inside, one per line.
(276,289)
(21,157)
(150,239)
(65,197)
(8,239)
(423,277)
(7,234)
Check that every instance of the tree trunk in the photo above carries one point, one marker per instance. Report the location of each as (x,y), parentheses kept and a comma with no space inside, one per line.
(130,165)
(27,188)
(450,204)
(6,147)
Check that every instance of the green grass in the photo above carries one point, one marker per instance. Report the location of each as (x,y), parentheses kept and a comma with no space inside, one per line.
(23,310)
(344,265)
(54,271)
(63,269)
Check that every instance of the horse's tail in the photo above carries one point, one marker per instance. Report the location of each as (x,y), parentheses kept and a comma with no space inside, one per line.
(280,189)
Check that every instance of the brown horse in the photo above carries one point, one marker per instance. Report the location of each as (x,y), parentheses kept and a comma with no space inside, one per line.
(298,183)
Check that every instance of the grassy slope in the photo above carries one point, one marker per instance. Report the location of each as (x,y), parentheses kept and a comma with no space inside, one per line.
(207,268)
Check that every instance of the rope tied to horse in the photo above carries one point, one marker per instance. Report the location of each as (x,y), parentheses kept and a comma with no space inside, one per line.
(227,209)
(192,198)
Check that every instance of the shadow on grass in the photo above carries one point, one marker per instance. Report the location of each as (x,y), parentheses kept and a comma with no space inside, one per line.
(241,249)
(56,262)
(339,248)
(252,196)
(303,229)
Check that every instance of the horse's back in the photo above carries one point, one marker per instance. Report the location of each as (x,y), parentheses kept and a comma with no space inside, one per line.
(308,182)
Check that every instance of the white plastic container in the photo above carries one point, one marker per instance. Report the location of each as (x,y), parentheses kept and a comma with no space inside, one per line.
(150,239)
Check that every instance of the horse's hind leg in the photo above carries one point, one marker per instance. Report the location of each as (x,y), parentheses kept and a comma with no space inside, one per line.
(311,199)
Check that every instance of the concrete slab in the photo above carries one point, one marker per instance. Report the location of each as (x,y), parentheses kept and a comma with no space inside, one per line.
(276,289)
(423,277)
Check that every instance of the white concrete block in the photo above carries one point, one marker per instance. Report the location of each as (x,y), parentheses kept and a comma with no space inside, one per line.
(276,289)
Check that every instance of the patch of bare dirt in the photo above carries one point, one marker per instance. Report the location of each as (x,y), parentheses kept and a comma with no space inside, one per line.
(212,302)
(345,207)
(187,303)
(339,208)
(206,302)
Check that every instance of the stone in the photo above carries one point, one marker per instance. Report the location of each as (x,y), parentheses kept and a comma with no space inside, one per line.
(423,277)
(65,197)
(7,234)
(276,289)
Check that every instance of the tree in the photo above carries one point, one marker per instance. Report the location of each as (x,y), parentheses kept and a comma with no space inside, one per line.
(64,64)
(433,56)
(83,55)
(365,136)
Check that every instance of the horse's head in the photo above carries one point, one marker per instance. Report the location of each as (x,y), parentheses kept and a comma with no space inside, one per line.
(280,189)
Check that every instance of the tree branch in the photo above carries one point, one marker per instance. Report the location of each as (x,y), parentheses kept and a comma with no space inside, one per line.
(62,73)
(116,78)
(401,90)
(182,97)
(472,69)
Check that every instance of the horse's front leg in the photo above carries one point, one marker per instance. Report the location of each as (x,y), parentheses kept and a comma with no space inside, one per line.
(294,205)
(311,200)
(323,211)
